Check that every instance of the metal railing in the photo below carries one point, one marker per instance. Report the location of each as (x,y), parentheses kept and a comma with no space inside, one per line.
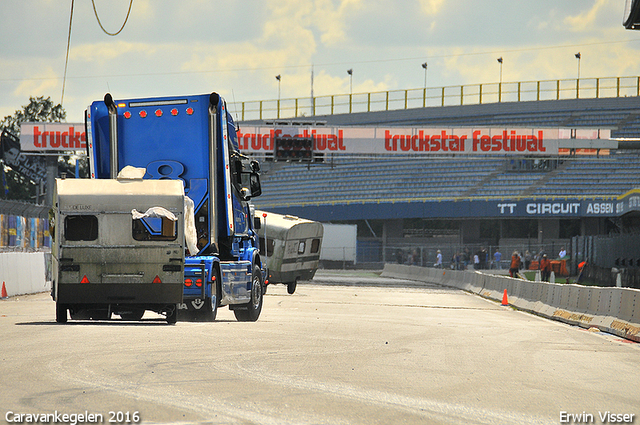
(471,94)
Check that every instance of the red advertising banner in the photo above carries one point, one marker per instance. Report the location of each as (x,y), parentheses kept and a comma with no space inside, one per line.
(409,140)
(435,141)
(52,137)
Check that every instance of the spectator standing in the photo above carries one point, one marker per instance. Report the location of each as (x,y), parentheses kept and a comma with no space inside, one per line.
(497,256)
(515,264)
(477,264)
(438,263)
(545,268)
(527,259)
(466,257)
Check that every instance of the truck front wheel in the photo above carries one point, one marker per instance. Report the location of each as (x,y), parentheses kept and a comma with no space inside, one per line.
(252,309)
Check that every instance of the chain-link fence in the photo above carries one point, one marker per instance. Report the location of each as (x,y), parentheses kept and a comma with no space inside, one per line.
(373,253)
(610,260)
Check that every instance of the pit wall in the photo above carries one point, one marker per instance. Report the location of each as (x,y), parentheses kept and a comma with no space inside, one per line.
(613,310)
(23,273)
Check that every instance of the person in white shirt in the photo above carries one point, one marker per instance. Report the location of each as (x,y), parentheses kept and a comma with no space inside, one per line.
(439,260)
(562,253)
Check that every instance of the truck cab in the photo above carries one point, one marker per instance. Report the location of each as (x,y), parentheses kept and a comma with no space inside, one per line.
(192,140)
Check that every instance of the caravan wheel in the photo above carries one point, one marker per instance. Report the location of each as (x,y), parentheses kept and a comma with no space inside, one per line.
(291,286)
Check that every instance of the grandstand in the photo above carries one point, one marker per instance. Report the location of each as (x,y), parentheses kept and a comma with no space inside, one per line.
(465,196)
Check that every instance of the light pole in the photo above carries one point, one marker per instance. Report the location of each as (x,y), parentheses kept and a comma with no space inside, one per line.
(578,56)
(350,72)
(424,66)
(278,78)
(500,84)
(424,98)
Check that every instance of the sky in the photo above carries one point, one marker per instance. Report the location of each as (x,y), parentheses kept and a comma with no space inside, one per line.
(237,47)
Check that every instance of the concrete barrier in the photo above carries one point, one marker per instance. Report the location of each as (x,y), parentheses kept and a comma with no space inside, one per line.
(613,310)
(23,272)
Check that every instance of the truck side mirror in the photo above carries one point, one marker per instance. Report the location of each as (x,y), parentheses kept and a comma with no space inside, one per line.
(257,224)
(238,171)
(256,190)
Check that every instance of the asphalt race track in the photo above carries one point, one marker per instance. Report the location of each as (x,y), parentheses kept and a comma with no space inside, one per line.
(344,349)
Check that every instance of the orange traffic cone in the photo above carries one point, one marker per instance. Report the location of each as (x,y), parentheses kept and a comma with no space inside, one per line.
(4,292)
(505,300)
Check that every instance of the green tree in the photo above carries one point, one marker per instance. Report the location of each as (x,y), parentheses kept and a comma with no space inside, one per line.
(39,109)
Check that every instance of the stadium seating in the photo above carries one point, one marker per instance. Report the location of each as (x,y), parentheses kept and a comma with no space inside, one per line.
(357,179)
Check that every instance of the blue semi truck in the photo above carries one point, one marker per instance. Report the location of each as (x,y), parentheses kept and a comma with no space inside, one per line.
(191,139)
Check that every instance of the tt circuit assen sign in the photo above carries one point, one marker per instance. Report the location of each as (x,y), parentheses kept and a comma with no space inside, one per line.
(52,137)
(569,208)
(414,140)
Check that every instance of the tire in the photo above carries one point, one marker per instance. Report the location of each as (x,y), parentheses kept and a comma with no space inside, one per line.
(251,311)
(172,315)
(61,313)
(211,307)
(291,287)
(79,314)
(100,314)
(134,314)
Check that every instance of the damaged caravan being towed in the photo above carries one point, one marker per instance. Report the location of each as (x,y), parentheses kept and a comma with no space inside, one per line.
(119,248)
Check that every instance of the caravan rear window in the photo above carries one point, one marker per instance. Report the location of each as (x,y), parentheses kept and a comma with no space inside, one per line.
(81,228)
(315,246)
(155,229)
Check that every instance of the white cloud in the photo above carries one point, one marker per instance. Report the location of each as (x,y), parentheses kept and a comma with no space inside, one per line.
(105,52)
(431,7)
(585,21)
(44,81)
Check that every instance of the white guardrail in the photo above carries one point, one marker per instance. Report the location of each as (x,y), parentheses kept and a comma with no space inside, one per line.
(613,310)
(23,273)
